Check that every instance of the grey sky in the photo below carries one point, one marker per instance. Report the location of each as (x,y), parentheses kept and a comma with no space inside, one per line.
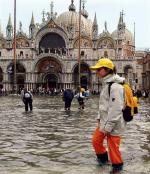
(107,10)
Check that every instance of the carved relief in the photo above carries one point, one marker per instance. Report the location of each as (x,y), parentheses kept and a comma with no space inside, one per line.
(105,43)
(2,43)
(51,24)
(20,42)
(49,65)
(85,43)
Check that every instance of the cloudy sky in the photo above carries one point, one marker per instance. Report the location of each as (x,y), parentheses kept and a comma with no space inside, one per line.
(107,10)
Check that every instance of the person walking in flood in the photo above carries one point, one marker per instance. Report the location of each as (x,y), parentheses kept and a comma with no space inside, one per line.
(80,97)
(27,99)
(110,122)
(67,98)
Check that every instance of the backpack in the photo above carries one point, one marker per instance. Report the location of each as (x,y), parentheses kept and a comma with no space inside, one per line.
(135,102)
(27,95)
(128,110)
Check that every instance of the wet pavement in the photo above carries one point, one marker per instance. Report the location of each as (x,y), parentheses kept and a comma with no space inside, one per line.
(52,141)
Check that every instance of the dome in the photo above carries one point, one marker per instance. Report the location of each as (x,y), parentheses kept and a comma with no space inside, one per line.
(84,13)
(71,18)
(128,36)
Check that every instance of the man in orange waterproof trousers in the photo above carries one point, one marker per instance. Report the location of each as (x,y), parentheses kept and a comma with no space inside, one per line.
(110,116)
(113,148)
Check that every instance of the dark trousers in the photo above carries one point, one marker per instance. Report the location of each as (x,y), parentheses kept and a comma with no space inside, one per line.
(68,103)
(81,102)
(28,103)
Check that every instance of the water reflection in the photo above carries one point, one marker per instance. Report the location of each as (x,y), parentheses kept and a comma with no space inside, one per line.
(50,140)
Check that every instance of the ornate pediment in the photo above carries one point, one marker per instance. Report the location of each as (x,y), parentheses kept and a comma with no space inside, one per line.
(51,24)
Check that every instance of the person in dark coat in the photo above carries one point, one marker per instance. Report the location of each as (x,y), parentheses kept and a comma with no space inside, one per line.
(67,98)
(27,99)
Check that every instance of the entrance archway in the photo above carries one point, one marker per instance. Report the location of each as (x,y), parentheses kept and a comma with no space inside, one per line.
(20,74)
(49,73)
(50,81)
(85,76)
(20,81)
(84,81)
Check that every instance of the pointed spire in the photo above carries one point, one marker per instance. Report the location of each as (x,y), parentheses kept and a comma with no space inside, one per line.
(95,20)
(51,14)
(72,6)
(32,20)
(121,23)
(43,15)
(9,29)
(9,21)
(32,27)
(83,11)
(20,27)
(52,7)
(105,24)
(95,28)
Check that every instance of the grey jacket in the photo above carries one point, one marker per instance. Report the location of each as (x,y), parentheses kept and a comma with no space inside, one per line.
(110,106)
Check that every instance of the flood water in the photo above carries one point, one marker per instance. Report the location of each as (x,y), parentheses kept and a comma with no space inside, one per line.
(52,141)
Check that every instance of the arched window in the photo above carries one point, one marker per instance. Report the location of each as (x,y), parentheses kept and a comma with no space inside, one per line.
(21,53)
(52,41)
(82,53)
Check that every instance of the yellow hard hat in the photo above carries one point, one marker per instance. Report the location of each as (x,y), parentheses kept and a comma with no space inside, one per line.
(103,62)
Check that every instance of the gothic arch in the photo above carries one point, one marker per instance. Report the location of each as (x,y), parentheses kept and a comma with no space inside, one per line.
(52,57)
(45,31)
(20,74)
(52,42)
(20,67)
(49,72)
(48,64)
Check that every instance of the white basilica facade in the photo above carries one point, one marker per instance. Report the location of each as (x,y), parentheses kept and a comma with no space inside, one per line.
(48,56)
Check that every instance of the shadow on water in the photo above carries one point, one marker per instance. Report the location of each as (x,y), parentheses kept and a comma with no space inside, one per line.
(50,140)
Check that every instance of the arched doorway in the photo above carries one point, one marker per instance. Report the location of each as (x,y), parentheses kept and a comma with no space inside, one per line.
(84,81)
(20,81)
(49,73)
(20,75)
(51,81)
(85,76)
